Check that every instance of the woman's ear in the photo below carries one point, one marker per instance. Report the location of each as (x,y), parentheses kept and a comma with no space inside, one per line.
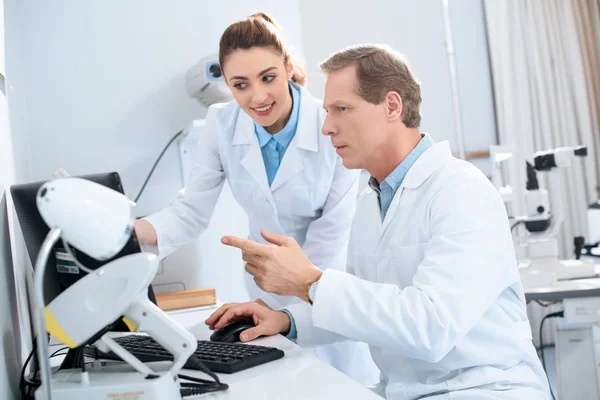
(290,68)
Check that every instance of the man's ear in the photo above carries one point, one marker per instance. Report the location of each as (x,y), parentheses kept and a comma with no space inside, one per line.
(393,105)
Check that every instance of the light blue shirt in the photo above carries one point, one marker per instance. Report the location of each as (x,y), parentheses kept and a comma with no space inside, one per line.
(388,188)
(385,194)
(293,333)
(273,147)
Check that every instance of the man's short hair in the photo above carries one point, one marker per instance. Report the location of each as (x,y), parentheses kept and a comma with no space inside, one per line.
(380,70)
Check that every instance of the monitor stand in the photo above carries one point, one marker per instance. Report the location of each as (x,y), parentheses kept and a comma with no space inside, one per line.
(73,359)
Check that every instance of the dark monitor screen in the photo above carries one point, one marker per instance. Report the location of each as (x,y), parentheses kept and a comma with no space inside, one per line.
(60,272)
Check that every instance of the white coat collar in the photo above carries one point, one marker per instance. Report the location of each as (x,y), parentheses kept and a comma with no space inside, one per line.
(306,138)
(307,132)
(427,163)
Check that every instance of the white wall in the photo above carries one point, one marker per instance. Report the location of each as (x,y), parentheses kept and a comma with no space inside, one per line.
(103,89)
(416,29)
(10,365)
(105,82)
(99,86)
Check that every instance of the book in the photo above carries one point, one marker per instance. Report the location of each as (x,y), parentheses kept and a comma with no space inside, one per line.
(186,299)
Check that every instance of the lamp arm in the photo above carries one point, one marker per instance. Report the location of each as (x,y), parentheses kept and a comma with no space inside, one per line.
(107,344)
(149,318)
(39,309)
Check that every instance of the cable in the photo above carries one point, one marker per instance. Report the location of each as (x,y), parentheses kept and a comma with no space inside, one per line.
(22,381)
(27,386)
(200,386)
(155,164)
(202,367)
(55,354)
(195,391)
(515,225)
(75,260)
(552,303)
(551,315)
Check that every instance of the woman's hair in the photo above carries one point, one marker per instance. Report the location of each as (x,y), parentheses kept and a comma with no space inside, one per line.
(258,30)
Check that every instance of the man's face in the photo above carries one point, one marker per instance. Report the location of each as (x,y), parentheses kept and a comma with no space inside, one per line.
(356,127)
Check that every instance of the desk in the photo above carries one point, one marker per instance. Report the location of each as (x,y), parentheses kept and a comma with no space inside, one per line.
(298,375)
(570,289)
(577,372)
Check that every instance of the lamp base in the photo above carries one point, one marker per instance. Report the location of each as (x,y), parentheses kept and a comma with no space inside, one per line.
(117,381)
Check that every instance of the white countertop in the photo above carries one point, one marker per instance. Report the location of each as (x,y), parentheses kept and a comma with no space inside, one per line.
(298,375)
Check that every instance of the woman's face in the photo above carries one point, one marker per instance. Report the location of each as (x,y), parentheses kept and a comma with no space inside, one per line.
(258,80)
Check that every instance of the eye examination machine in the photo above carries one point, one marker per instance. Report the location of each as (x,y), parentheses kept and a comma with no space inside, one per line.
(118,288)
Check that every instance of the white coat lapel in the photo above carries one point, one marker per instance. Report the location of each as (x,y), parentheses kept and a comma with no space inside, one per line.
(291,165)
(429,162)
(306,138)
(393,208)
(252,160)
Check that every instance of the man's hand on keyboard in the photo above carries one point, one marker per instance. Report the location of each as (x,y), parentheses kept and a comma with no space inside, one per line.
(262,303)
(268,322)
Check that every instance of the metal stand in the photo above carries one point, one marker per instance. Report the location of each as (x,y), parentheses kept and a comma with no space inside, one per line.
(39,310)
(450,52)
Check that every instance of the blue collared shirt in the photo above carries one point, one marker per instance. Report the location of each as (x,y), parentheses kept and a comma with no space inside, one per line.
(385,194)
(388,188)
(273,147)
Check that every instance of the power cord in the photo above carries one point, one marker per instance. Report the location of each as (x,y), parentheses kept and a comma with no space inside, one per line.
(195,389)
(74,257)
(56,353)
(200,386)
(551,315)
(155,164)
(549,304)
(513,226)
(28,385)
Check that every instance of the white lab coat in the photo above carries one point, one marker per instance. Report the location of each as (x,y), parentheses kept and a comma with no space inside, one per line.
(434,290)
(311,199)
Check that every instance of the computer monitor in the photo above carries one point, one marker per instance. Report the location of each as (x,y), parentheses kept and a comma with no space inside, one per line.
(60,272)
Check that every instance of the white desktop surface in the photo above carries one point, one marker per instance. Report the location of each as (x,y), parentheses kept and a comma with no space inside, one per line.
(583,287)
(567,285)
(298,375)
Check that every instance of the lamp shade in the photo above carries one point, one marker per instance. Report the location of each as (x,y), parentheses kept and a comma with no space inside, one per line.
(93,218)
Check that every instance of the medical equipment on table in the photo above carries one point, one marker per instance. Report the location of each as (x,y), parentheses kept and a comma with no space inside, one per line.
(204,82)
(499,155)
(117,288)
(541,266)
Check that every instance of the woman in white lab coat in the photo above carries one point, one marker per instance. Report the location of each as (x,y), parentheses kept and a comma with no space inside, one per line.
(284,173)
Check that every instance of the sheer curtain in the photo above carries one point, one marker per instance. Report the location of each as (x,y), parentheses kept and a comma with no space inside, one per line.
(545,69)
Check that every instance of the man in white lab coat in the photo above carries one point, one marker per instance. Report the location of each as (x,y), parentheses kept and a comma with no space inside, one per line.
(432,283)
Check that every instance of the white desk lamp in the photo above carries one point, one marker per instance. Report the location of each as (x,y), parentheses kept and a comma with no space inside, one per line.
(99,222)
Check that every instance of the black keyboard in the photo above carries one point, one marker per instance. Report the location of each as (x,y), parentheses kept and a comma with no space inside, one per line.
(217,356)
